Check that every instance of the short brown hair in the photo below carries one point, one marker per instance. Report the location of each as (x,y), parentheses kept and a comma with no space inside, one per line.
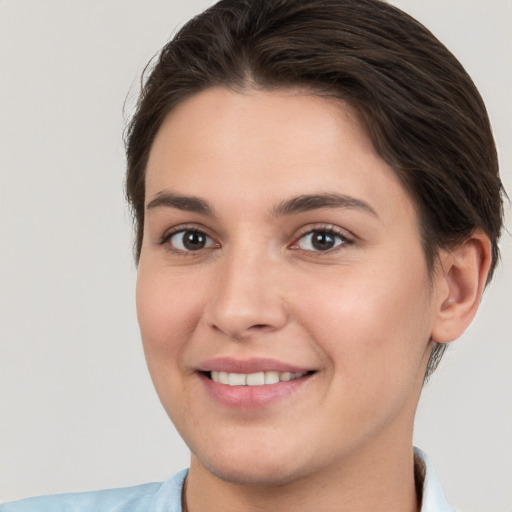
(425,115)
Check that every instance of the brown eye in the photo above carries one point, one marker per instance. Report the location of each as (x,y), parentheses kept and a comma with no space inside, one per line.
(190,240)
(320,240)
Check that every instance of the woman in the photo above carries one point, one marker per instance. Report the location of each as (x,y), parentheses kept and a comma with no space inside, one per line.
(319,182)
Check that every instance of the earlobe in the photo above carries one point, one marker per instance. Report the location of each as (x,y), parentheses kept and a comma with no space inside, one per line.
(460,282)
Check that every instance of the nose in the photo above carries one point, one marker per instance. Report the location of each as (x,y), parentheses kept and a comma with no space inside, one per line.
(246,298)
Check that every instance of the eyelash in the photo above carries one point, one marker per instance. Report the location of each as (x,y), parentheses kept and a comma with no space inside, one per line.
(338,234)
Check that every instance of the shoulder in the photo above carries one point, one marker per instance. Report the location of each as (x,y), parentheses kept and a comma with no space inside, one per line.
(140,498)
(129,498)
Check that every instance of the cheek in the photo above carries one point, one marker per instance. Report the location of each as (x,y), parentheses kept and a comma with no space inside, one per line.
(373,324)
(167,315)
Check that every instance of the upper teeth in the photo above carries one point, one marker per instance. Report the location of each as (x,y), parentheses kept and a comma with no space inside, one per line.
(254,379)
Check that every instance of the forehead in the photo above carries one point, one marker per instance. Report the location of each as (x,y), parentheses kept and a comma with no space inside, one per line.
(257,147)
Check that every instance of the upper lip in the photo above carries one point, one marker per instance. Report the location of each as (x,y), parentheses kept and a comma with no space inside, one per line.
(253,365)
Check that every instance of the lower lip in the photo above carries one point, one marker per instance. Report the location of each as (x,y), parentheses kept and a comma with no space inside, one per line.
(251,397)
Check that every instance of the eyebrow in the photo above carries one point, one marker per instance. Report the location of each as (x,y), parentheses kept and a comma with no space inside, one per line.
(299,204)
(186,203)
(305,203)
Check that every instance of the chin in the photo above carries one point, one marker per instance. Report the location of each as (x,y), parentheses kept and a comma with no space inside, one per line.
(254,464)
(261,473)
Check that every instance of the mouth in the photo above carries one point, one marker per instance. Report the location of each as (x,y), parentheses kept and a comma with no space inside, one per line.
(250,384)
(254,379)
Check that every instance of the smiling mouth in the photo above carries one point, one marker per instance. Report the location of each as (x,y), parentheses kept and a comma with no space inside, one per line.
(254,379)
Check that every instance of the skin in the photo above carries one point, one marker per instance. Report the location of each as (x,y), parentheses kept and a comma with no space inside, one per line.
(361,315)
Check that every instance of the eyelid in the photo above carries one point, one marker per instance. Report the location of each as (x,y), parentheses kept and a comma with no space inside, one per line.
(183,227)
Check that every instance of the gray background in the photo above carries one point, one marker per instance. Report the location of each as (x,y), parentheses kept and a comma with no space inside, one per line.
(77,407)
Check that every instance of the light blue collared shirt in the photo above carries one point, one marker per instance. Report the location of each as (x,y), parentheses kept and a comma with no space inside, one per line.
(433,495)
(166,497)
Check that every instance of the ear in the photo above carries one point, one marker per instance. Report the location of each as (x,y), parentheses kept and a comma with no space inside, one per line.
(460,281)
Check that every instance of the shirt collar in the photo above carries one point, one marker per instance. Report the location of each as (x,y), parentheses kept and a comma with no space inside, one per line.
(433,496)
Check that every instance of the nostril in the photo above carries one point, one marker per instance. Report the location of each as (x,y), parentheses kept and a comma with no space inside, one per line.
(259,328)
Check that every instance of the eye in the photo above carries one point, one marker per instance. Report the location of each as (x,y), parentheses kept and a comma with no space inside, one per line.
(189,240)
(320,240)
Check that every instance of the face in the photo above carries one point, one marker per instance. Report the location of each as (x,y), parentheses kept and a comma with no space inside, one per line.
(283,296)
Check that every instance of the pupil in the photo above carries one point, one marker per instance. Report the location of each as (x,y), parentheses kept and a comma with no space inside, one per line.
(194,241)
(323,241)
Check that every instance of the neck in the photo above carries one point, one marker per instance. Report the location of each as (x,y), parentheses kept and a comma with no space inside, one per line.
(375,480)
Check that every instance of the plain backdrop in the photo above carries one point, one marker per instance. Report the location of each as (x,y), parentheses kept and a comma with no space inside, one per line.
(78,410)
